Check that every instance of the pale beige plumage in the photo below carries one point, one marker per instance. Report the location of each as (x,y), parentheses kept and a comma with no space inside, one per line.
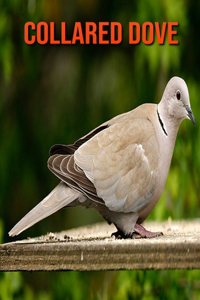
(116,162)
(120,168)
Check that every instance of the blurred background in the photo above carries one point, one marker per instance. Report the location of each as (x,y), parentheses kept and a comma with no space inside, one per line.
(56,94)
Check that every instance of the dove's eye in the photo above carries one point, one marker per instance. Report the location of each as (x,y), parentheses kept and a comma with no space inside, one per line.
(178,95)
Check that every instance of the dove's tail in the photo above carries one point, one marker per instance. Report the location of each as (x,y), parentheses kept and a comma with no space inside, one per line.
(60,197)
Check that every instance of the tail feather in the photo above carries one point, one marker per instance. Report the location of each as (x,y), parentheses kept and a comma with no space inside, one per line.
(60,197)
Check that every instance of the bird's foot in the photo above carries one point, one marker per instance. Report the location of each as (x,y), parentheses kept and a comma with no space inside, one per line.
(118,235)
(141,232)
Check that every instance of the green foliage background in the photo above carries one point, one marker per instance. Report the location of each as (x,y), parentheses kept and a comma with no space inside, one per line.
(55,94)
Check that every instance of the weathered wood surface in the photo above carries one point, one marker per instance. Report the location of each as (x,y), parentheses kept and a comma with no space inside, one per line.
(92,248)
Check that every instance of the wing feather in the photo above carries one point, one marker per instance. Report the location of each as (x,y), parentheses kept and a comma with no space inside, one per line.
(122,164)
(116,164)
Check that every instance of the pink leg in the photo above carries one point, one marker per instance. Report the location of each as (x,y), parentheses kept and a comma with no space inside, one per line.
(141,232)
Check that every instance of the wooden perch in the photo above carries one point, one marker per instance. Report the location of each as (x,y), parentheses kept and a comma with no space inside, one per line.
(92,248)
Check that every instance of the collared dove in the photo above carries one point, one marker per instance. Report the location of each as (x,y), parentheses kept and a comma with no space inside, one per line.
(120,168)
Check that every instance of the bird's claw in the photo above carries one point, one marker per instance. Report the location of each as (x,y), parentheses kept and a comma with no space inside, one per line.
(139,233)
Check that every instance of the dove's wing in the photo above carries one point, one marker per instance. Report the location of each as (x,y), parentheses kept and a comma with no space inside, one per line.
(122,163)
(117,166)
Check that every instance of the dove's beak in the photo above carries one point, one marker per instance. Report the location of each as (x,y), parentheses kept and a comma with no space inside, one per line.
(190,114)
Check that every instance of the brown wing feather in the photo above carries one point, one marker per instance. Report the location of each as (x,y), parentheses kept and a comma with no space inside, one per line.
(115,164)
(64,167)
(70,149)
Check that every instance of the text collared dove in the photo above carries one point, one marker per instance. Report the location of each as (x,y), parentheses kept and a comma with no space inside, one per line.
(119,168)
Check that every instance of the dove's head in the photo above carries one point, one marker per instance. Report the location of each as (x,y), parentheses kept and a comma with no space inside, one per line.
(176,98)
